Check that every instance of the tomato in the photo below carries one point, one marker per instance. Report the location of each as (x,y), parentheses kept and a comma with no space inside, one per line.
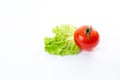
(86,38)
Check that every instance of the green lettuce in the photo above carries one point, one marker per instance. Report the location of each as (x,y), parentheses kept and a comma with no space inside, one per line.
(63,42)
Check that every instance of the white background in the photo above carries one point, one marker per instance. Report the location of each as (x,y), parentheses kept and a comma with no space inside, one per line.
(25,23)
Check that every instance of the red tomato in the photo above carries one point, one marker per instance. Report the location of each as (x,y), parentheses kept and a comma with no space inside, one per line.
(86,37)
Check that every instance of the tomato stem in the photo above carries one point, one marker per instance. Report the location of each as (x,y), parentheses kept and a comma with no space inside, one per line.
(87,31)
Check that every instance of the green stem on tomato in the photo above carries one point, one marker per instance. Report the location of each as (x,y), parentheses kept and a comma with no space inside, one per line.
(87,32)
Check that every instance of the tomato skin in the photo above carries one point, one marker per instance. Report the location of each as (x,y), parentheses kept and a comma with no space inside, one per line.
(86,37)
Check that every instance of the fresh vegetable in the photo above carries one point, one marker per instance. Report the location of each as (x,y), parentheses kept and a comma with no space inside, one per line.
(63,41)
(69,40)
(86,37)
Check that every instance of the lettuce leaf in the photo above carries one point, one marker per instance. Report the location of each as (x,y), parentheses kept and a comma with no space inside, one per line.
(63,42)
